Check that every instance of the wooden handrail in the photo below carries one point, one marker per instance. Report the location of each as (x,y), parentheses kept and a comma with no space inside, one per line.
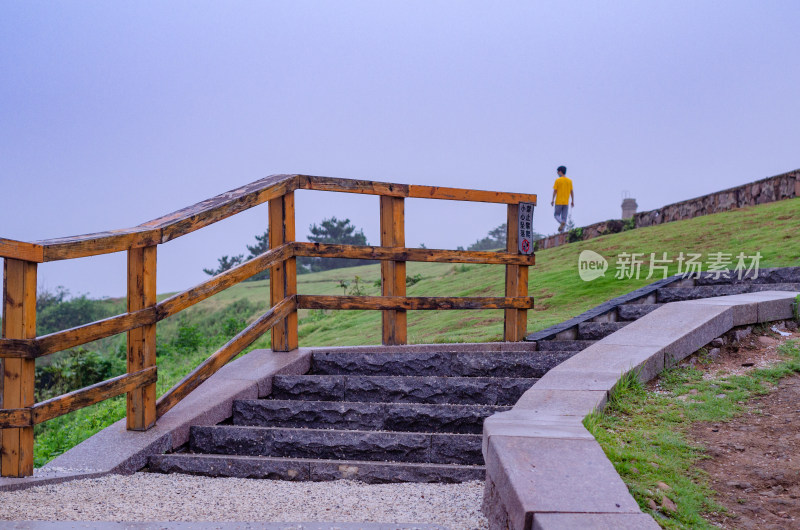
(78,399)
(222,281)
(19,345)
(64,404)
(323,250)
(412,303)
(70,338)
(224,205)
(218,359)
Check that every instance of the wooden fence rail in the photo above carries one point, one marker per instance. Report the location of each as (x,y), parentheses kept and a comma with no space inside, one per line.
(20,347)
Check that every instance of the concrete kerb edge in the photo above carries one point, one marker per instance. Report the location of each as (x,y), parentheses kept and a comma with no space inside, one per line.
(240,379)
(502,487)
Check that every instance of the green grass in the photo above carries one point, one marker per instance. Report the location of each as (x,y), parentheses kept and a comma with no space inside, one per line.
(644,434)
(554,283)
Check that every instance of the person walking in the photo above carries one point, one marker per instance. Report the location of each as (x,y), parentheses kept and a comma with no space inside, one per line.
(562,195)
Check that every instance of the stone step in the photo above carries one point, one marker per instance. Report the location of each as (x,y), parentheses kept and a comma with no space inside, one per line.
(598,330)
(330,444)
(628,312)
(380,389)
(677,294)
(403,417)
(451,364)
(301,469)
(563,345)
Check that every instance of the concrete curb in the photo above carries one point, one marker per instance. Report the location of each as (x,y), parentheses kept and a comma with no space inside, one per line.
(544,470)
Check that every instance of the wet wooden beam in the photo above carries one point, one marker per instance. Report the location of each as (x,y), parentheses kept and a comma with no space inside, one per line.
(409,303)
(219,358)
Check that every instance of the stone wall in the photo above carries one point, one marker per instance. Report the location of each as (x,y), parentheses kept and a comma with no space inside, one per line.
(771,189)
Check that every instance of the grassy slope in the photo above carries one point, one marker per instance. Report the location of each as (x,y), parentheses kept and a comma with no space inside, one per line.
(554,283)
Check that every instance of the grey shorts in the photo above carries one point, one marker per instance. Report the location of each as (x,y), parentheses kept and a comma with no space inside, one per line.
(561,212)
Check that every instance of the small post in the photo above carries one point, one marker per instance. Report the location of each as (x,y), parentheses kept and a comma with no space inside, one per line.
(18,375)
(283,276)
(516,320)
(141,406)
(393,273)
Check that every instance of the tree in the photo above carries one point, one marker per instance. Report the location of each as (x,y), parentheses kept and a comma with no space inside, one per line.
(261,246)
(334,231)
(496,239)
(225,263)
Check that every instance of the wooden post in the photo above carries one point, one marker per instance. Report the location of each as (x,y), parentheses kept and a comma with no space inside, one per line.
(19,322)
(393,273)
(283,277)
(141,341)
(516,320)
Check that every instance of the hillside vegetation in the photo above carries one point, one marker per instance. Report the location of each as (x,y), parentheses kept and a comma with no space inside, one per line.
(186,339)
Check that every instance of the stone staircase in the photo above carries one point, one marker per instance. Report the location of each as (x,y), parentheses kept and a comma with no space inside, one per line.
(410,416)
(374,417)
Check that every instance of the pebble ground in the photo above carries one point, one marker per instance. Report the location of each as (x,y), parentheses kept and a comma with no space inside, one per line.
(175,497)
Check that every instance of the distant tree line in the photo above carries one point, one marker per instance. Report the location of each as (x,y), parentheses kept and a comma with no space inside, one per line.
(330,230)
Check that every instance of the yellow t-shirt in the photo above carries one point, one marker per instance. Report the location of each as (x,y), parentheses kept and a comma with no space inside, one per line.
(563,187)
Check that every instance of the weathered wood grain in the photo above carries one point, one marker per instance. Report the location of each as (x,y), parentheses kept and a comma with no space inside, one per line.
(309,182)
(19,322)
(176,303)
(18,348)
(219,358)
(393,273)
(204,213)
(99,243)
(515,320)
(16,418)
(158,230)
(410,303)
(458,194)
(323,250)
(141,401)
(21,250)
(58,406)
(277,275)
(223,206)
(63,340)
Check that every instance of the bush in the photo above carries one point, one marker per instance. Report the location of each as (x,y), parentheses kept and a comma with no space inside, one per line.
(77,369)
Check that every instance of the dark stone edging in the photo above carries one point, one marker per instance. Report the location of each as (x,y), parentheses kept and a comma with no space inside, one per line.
(605,307)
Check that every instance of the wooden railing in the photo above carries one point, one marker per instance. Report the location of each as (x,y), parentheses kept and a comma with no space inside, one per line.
(20,347)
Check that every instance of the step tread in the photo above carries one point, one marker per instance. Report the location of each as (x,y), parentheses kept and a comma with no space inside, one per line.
(629,312)
(337,444)
(564,345)
(400,417)
(599,330)
(438,364)
(404,389)
(302,469)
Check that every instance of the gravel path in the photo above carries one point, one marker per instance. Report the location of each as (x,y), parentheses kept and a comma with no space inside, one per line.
(155,497)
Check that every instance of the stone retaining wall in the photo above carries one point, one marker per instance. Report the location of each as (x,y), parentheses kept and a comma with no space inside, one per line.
(771,189)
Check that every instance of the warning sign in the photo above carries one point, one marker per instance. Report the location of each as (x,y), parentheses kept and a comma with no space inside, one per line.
(526,228)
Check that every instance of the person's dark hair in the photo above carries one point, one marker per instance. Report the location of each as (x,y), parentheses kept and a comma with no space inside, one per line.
(562,170)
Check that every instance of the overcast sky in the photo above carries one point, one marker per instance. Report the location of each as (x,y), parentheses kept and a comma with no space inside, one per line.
(114,113)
